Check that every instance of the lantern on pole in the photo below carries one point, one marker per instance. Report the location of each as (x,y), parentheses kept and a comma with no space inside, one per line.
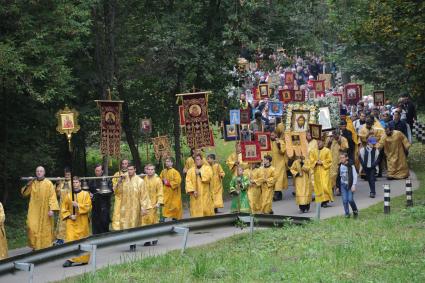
(67,123)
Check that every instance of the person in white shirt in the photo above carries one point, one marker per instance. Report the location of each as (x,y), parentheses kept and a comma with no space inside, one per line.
(369,159)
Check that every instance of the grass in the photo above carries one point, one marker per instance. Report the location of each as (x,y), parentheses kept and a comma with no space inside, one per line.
(373,248)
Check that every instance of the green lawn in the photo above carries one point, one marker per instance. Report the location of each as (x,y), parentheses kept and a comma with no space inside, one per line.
(373,248)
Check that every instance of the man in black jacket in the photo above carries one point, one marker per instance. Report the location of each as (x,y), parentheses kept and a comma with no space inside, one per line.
(370,159)
(101,204)
(349,136)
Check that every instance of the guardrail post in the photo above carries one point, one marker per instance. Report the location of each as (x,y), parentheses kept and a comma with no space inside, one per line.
(25,266)
(92,249)
(250,220)
(409,193)
(387,198)
(185,232)
(318,206)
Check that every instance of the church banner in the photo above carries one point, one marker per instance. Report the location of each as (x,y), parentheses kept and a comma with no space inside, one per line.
(110,127)
(198,130)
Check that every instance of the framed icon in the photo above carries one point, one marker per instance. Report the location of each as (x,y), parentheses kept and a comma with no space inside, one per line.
(264,91)
(275,108)
(300,121)
(325,118)
(379,98)
(263,139)
(235,117)
(231,132)
(299,96)
(245,116)
(316,131)
(286,95)
(251,152)
(145,126)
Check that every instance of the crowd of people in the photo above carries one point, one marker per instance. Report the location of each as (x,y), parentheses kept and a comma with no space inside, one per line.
(368,142)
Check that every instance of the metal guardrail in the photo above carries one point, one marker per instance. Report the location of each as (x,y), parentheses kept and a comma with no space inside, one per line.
(140,233)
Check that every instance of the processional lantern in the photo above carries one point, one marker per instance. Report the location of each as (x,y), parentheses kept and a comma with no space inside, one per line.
(68,123)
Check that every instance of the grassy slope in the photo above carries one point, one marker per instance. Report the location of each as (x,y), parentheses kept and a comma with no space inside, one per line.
(373,248)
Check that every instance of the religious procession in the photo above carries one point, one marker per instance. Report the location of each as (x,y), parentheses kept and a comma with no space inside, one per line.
(126,138)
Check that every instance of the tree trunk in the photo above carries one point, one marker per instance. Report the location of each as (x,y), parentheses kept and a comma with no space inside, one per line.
(176,123)
(129,133)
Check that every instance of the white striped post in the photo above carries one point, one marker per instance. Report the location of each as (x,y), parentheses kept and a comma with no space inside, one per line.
(409,193)
(387,191)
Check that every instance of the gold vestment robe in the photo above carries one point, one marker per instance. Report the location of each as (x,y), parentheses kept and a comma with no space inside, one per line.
(322,187)
(280,164)
(3,239)
(156,195)
(217,184)
(395,147)
(40,225)
(256,177)
(336,148)
(267,189)
(203,204)
(232,159)
(62,189)
(79,228)
(173,207)
(117,202)
(301,174)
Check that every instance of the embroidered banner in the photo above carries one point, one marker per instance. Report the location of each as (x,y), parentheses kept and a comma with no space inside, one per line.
(110,127)
(198,130)
(161,146)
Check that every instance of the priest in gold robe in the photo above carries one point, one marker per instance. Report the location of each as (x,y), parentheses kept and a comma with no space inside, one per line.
(336,143)
(301,174)
(3,239)
(321,161)
(216,182)
(267,188)
(117,197)
(63,188)
(256,179)
(171,180)
(43,203)
(280,164)
(75,209)
(190,161)
(198,181)
(369,130)
(153,185)
(396,148)
(134,200)
(235,160)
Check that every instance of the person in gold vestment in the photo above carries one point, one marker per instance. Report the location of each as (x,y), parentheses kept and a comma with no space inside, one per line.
(267,188)
(321,161)
(396,147)
(198,181)
(62,189)
(172,191)
(134,200)
(216,182)
(235,160)
(75,209)
(256,179)
(301,173)
(336,143)
(43,203)
(280,164)
(153,185)
(117,202)
(3,239)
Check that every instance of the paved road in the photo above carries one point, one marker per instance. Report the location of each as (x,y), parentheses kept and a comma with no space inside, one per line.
(53,271)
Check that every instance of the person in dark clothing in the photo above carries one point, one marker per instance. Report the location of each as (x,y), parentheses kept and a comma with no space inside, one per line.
(410,108)
(370,158)
(400,125)
(101,204)
(349,136)
(346,182)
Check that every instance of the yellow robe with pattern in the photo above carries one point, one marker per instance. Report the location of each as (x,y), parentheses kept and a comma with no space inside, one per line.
(117,203)
(133,197)
(232,159)
(267,189)
(40,225)
(217,185)
(322,188)
(280,164)
(394,148)
(61,192)
(379,133)
(311,149)
(256,177)
(336,148)
(173,207)
(302,182)
(3,239)
(79,228)
(156,195)
(203,204)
